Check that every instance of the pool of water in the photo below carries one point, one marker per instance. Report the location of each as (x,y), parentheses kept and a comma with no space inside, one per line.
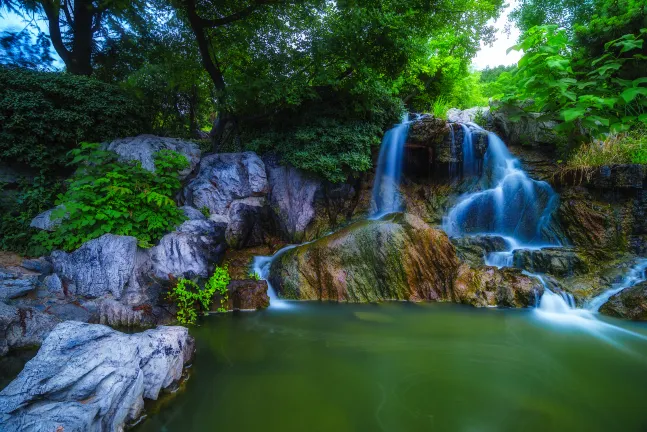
(409,367)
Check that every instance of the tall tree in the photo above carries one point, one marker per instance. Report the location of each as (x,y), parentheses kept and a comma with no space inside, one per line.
(79,28)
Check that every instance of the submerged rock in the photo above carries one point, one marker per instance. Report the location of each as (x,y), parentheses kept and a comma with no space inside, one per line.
(398,257)
(23,327)
(99,267)
(143,148)
(630,303)
(88,377)
(490,286)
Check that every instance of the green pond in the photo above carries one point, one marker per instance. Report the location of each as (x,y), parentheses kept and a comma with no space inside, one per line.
(409,367)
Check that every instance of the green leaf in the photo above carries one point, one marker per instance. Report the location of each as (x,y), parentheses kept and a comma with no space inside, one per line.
(631,93)
(573,113)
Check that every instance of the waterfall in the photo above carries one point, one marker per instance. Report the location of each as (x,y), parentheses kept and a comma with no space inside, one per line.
(469,158)
(634,277)
(261,267)
(511,204)
(386,187)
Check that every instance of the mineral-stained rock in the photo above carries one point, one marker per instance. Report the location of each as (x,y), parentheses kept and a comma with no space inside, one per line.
(474,249)
(144,147)
(99,267)
(554,261)
(630,303)
(88,377)
(189,251)
(225,177)
(247,222)
(396,258)
(245,294)
(14,283)
(22,327)
(490,286)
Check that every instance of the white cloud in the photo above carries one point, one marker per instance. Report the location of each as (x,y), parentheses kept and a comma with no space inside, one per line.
(496,54)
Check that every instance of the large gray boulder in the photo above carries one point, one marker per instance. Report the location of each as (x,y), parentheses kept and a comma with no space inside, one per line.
(99,267)
(292,196)
(247,222)
(189,251)
(556,261)
(23,327)
(88,377)
(517,127)
(470,115)
(225,177)
(144,147)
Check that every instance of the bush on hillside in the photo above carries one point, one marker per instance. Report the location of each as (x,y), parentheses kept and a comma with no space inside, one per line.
(43,115)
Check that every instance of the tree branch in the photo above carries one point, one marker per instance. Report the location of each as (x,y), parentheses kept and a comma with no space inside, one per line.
(68,16)
(243,13)
(52,13)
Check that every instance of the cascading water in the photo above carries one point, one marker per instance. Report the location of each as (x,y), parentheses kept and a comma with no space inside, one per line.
(469,158)
(386,187)
(635,276)
(511,204)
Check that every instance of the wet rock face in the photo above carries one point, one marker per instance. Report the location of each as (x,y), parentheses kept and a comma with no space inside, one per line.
(474,249)
(528,130)
(88,377)
(248,223)
(99,267)
(396,258)
(23,327)
(143,148)
(247,294)
(225,177)
(490,286)
(553,261)
(630,303)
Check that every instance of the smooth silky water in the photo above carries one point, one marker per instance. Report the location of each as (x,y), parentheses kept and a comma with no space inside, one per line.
(404,367)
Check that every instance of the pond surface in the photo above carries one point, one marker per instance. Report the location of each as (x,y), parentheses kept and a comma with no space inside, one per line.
(409,367)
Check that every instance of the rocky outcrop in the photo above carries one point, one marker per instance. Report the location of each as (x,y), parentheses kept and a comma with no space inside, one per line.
(45,222)
(192,213)
(15,283)
(88,377)
(396,258)
(474,249)
(630,303)
(99,267)
(191,250)
(554,261)
(247,294)
(490,286)
(471,115)
(225,177)
(517,127)
(143,148)
(23,327)
(248,222)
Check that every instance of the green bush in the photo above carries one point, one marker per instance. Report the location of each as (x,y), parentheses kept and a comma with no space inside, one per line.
(31,199)
(189,297)
(623,148)
(109,196)
(43,115)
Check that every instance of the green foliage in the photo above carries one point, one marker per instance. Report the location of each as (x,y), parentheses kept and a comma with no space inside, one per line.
(623,148)
(254,275)
(190,298)
(43,115)
(109,196)
(31,198)
(440,107)
(205,211)
(583,94)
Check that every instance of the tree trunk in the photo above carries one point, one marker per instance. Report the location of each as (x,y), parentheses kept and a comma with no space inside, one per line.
(81,59)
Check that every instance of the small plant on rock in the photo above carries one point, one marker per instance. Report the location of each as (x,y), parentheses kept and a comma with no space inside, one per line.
(205,211)
(190,298)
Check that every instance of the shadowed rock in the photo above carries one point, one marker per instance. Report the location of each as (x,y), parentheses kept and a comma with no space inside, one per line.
(630,303)
(23,327)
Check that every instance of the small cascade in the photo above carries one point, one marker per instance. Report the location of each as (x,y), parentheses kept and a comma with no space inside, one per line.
(634,277)
(511,204)
(261,266)
(386,188)
(452,149)
(470,165)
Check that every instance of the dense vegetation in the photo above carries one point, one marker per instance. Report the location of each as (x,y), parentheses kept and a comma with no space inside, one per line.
(316,82)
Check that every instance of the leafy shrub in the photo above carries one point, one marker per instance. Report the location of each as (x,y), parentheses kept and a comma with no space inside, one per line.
(189,297)
(440,107)
(31,199)
(43,115)
(109,196)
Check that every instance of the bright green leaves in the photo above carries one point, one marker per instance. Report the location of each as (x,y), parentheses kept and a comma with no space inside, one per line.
(109,196)
(190,298)
(631,93)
